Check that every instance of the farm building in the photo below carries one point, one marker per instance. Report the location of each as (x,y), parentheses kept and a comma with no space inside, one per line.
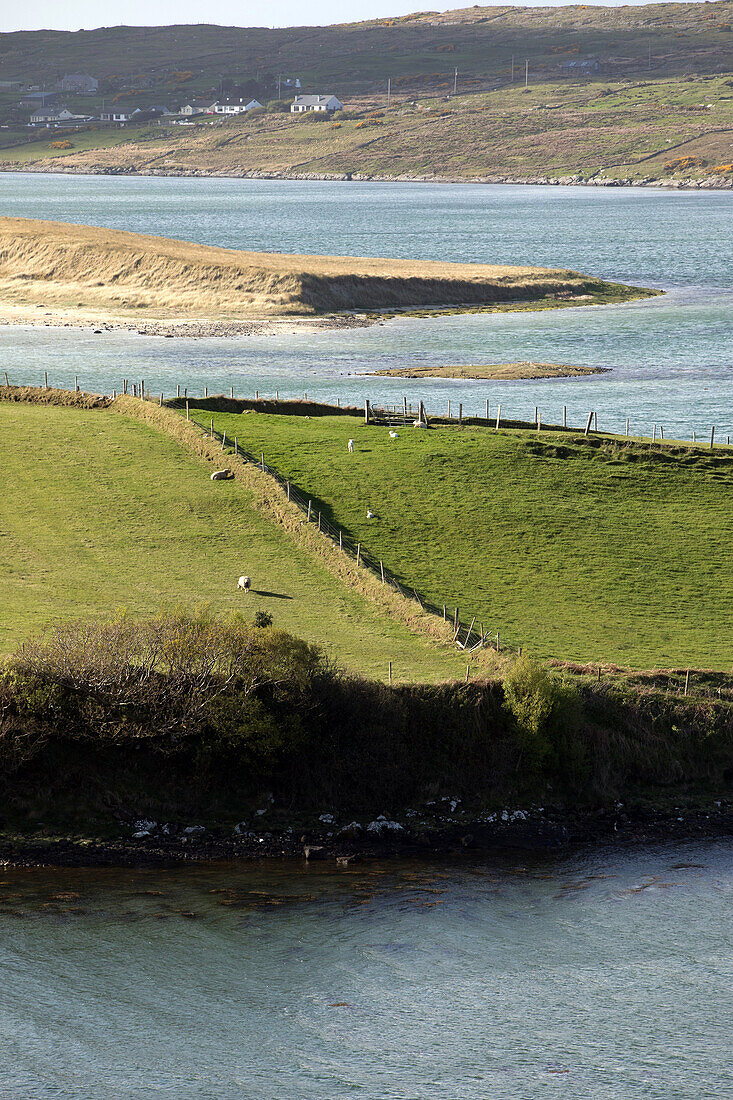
(79,83)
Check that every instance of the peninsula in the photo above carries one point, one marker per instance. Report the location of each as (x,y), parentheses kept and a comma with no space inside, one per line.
(58,273)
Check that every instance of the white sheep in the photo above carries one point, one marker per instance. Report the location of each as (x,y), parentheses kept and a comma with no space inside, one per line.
(393,435)
(419,424)
(370,514)
(350,446)
(244,583)
(221,475)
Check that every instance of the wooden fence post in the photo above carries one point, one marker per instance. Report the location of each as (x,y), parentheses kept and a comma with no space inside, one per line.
(687,681)
(487,408)
(45,379)
(536,414)
(468,667)
(76,383)
(460,413)
(161,400)
(366,410)
(381,569)
(262,461)
(212,427)
(358,553)
(539,422)
(206,391)
(178,389)
(498,418)
(188,415)
(564,416)
(449,408)
(712,437)
(455,620)
(588,423)
(288,485)
(309,511)
(389,672)
(224,440)
(627,425)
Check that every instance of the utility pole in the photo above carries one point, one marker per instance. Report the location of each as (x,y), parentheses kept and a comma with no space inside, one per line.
(455,81)
(526,73)
(389,91)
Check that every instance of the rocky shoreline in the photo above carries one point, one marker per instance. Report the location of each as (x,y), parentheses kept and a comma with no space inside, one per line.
(440,831)
(708,183)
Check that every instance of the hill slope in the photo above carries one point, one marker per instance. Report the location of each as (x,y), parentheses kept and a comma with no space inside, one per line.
(416,50)
(160,533)
(574,550)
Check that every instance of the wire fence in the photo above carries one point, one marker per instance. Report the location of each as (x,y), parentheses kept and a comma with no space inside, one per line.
(466,636)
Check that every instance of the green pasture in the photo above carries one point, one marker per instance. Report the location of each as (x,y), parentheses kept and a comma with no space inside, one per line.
(572,548)
(99,512)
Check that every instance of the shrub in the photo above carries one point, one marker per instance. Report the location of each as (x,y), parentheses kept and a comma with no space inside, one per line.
(62,145)
(545,709)
(263,618)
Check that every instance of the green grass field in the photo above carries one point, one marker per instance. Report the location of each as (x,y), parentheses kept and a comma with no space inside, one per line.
(100,512)
(572,551)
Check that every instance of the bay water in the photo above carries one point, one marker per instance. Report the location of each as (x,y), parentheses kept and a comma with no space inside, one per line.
(671,357)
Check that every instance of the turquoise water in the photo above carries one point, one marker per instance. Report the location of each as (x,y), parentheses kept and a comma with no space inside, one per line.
(594,976)
(672,357)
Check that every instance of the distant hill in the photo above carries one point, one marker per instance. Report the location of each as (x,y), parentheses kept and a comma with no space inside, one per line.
(419,52)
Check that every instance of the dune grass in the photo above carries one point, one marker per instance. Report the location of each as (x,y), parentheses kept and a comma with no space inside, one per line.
(575,549)
(100,512)
(112,274)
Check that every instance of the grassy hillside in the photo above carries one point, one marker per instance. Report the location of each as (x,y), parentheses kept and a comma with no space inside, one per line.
(572,549)
(100,512)
(648,130)
(416,50)
(122,275)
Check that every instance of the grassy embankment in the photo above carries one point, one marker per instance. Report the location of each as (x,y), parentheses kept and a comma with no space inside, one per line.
(580,549)
(101,512)
(83,273)
(675,129)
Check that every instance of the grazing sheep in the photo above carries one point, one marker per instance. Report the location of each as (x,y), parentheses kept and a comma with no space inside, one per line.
(419,424)
(370,514)
(221,475)
(244,583)
(393,435)
(350,446)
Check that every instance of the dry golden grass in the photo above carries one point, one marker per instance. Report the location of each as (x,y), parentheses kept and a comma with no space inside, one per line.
(114,275)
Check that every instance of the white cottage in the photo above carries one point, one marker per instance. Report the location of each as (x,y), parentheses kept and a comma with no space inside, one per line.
(324,103)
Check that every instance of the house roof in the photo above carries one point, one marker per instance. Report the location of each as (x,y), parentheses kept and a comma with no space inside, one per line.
(313,100)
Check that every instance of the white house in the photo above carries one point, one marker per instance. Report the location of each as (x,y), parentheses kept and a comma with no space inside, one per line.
(315,103)
(235,106)
(113,116)
(49,116)
(80,83)
(197,107)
